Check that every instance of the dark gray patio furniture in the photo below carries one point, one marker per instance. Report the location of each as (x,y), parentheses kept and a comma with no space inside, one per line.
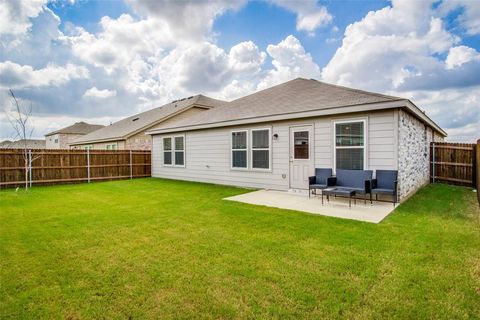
(385,182)
(346,192)
(319,180)
(356,180)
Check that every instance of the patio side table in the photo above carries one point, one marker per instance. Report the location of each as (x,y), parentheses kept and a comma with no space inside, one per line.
(340,192)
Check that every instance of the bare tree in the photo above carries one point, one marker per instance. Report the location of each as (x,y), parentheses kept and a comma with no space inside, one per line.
(20,123)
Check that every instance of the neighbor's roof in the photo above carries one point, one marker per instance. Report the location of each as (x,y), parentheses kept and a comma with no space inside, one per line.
(29,143)
(293,99)
(77,128)
(129,126)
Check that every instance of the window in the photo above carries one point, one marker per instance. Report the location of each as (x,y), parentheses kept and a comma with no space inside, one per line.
(301,145)
(174,151)
(112,146)
(89,147)
(239,149)
(167,151)
(179,151)
(261,149)
(56,140)
(350,145)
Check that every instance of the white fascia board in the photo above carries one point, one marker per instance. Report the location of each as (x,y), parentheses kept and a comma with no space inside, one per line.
(288,116)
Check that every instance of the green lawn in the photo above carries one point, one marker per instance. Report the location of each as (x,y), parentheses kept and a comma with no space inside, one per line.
(153,248)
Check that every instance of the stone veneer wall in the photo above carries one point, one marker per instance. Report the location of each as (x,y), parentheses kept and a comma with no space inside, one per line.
(414,139)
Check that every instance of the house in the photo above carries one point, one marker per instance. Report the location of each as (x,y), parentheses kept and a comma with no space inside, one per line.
(129,133)
(22,143)
(61,139)
(274,138)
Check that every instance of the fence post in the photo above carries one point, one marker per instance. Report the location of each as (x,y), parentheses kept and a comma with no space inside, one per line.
(88,165)
(131,165)
(476,165)
(30,166)
(433,162)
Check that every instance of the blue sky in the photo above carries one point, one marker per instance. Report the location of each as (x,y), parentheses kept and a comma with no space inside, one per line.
(99,61)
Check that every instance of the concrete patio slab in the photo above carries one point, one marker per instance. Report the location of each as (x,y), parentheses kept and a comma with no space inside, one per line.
(299,201)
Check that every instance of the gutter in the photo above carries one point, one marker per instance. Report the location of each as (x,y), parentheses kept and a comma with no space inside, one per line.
(403,103)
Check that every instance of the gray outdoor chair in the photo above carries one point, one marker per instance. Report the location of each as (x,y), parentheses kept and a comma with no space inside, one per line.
(386,183)
(319,180)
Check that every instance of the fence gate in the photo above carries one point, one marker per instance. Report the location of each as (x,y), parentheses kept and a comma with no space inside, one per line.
(453,163)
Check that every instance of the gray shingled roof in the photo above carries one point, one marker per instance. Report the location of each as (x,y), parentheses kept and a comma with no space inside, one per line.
(20,144)
(131,125)
(78,128)
(294,96)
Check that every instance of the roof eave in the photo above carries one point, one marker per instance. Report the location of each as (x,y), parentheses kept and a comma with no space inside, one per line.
(114,139)
(125,137)
(288,116)
(426,119)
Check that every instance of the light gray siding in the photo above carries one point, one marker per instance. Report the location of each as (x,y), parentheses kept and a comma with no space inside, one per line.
(207,152)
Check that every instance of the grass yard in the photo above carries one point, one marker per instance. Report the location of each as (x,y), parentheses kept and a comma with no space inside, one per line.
(153,248)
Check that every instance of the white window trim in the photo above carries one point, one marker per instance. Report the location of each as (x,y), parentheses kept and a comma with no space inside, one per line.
(262,149)
(309,143)
(111,145)
(365,141)
(182,150)
(231,151)
(173,150)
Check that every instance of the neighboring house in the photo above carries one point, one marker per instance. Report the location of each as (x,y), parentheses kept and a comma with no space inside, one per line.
(22,143)
(129,133)
(61,139)
(5,143)
(276,137)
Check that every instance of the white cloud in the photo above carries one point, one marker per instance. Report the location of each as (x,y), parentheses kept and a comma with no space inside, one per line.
(397,49)
(246,58)
(389,46)
(120,41)
(290,61)
(186,19)
(460,55)
(310,15)
(454,109)
(167,50)
(469,18)
(15,15)
(93,92)
(13,75)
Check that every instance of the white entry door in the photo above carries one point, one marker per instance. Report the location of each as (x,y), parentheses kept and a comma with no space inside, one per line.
(301,156)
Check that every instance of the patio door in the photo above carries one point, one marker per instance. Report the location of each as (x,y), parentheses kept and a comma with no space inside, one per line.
(301,156)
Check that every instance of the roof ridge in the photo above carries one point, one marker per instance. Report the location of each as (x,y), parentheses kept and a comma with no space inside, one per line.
(275,86)
(356,90)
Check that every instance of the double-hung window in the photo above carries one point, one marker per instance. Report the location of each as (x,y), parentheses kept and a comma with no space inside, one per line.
(239,150)
(179,147)
(350,145)
(261,149)
(174,151)
(167,151)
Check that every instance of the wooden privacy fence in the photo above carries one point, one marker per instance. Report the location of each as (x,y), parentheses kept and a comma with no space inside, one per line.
(71,166)
(454,163)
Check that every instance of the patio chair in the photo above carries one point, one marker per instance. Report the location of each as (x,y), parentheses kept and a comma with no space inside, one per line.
(356,180)
(385,183)
(319,180)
